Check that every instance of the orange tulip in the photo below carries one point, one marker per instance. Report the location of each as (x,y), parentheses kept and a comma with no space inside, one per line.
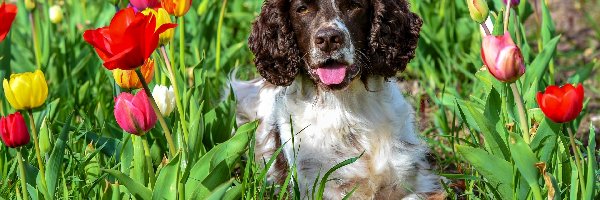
(128,79)
(177,8)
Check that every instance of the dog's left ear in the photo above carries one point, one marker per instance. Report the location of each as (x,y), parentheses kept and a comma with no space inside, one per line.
(394,37)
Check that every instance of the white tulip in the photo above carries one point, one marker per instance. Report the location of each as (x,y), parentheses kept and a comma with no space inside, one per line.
(56,14)
(165,99)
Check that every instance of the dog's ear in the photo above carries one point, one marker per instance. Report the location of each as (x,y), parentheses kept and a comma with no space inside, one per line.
(273,43)
(394,37)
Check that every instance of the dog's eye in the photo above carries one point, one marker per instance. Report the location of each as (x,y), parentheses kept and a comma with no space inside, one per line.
(301,9)
(355,5)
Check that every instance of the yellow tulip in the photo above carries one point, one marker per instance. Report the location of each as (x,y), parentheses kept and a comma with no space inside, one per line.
(128,79)
(177,8)
(26,90)
(162,17)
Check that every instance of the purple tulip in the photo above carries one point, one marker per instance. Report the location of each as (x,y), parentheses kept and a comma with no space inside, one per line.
(513,3)
(141,5)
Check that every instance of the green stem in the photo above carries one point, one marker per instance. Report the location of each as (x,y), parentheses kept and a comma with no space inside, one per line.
(507,18)
(36,46)
(522,115)
(161,119)
(36,143)
(218,44)
(182,46)
(577,159)
(149,165)
(22,170)
(163,51)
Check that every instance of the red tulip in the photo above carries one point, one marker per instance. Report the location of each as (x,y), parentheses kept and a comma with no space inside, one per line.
(502,57)
(561,104)
(128,41)
(7,16)
(14,130)
(134,114)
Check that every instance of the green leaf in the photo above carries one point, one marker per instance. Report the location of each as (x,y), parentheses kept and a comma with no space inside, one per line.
(136,189)
(497,172)
(226,153)
(592,165)
(325,178)
(166,183)
(547,24)
(536,70)
(492,140)
(220,191)
(54,165)
(525,161)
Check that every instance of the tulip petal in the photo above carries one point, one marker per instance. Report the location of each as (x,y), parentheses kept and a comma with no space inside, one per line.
(21,87)
(122,113)
(142,102)
(100,40)
(10,96)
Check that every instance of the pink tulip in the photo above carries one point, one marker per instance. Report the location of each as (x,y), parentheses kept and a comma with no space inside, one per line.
(503,58)
(513,3)
(134,114)
(141,5)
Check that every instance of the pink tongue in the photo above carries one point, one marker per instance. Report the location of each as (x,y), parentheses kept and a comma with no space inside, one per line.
(332,75)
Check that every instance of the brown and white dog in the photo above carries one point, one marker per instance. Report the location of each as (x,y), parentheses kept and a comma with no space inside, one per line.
(328,69)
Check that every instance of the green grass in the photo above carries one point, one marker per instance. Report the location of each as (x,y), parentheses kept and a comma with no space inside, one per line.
(87,155)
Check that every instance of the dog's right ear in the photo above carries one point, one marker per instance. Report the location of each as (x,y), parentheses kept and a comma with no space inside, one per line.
(273,43)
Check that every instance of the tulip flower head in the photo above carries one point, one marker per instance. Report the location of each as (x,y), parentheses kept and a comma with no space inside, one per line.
(14,130)
(26,90)
(128,79)
(29,5)
(503,58)
(134,114)
(177,8)
(165,99)
(162,17)
(7,16)
(128,41)
(513,3)
(478,9)
(55,14)
(143,4)
(561,104)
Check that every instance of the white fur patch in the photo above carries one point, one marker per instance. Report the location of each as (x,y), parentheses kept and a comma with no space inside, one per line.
(329,127)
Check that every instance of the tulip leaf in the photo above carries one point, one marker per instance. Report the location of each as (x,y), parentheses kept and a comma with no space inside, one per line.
(592,167)
(497,172)
(225,153)
(136,189)
(220,191)
(166,184)
(234,193)
(53,167)
(548,28)
(493,140)
(525,161)
(536,70)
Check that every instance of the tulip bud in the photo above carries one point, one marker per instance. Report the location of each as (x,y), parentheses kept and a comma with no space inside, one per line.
(26,90)
(513,3)
(561,104)
(14,130)
(134,114)
(44,138)
(162,17)
(503,58)
(29,5)
(128,79)
(55,14)
(478,9)
(165,99)
(177,8)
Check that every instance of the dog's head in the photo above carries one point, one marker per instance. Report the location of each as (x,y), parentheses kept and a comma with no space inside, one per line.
(333,41)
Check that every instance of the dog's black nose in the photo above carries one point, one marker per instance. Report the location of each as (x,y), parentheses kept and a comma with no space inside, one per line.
(329,39)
